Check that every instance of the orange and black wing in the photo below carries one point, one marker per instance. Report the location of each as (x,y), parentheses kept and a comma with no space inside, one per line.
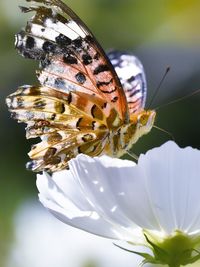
(71,58)
(80,97)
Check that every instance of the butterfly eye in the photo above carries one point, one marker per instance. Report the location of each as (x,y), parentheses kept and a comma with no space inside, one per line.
(143,119)
(146,118)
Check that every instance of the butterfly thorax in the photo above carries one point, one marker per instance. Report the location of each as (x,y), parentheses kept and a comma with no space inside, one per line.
(122,139)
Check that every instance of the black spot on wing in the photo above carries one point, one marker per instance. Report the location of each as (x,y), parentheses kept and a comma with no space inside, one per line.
(93,110)
(104,105)
(109,92)
(89,39)
(78,123)
(77,42)
(69,59)
(59,82)
(114,99)
(63,40)
(131,79)
(62,108)
(87,59)
(93,125)
(30,42)
(101,68)
(48,46)
(53,116)
(97,56)
(99,84)
(80,77)
(39,103)
(26,46)
(45,62)
(49,153)
(96,112)
(87,138)
(69,98)
(59,107)
(79,150)
(31,55)
(134,92)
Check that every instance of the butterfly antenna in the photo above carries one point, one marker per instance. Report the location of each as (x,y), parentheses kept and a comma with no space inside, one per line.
(164,131)
(158,87)
(178,99)
(132,155)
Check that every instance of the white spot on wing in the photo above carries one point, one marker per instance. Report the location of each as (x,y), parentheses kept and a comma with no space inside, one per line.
(39,43)
(60,27)
(48,34)
(74,26)
(127,71)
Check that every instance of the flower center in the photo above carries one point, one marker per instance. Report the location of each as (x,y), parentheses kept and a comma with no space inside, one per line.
(174,250)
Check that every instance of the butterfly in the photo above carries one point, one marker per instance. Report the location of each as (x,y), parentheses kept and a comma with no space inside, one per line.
(86,101)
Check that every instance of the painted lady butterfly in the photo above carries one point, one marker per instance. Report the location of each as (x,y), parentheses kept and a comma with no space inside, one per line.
(87,102)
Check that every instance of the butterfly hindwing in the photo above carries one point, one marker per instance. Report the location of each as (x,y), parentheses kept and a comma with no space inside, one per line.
(55,150)
(132,77)
(67,125)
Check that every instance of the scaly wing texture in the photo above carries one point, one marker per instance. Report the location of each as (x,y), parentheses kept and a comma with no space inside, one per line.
(80,97)
(71,58)
(65,130)
(132,77)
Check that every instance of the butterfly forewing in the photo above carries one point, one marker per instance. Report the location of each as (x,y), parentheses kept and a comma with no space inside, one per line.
(71,58)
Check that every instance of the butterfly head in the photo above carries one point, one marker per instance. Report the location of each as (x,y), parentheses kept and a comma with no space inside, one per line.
(145,120)
(142,122)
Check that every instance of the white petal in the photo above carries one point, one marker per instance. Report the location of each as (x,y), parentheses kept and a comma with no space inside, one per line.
(113,197)
(116,190)
(161,193)
(173,182)
(62,196)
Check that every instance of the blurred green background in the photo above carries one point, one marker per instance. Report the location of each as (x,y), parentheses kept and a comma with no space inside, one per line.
(160,32)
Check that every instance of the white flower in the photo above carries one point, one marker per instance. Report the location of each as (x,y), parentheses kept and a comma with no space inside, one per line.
(155,203)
